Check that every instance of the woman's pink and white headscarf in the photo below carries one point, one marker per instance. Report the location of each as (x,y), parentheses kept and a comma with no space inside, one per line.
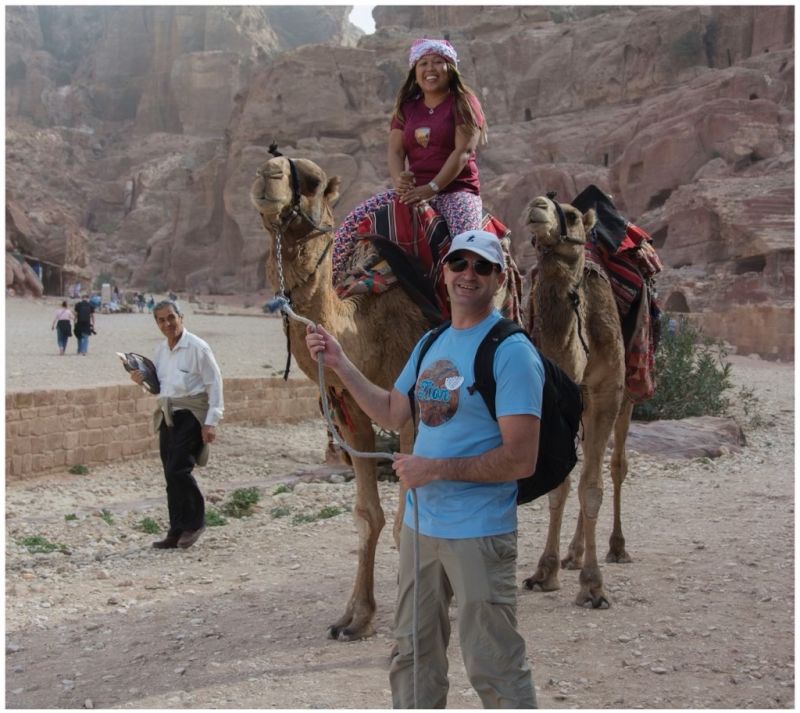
(419,48)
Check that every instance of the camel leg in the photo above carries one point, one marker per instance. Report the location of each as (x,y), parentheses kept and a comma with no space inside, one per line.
(574,558)
(602,407)
(545,579)
(619,469)
(356,622)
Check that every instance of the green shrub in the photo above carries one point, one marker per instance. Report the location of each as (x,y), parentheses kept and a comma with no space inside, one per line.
(279,512)
(302,519)
(282,488)
(241,502)
(78,469)
(70,516)
(323,514)
(214,519)
(150,526)
(107,516)
(692,375)
(37,543)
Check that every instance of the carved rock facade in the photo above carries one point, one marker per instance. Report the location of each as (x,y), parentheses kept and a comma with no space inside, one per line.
(140,128)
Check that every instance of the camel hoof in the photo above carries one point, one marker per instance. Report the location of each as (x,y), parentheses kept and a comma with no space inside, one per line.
(619,557)
(572,563)
(593,602)
(344,633)
(539,585)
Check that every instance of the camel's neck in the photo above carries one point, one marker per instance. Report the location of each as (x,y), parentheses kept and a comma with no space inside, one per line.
(307,268)
(557,283)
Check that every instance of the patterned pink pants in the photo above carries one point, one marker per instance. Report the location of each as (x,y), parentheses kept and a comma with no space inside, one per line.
(461,211)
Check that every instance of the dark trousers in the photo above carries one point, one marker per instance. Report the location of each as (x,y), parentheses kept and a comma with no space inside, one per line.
(179,445)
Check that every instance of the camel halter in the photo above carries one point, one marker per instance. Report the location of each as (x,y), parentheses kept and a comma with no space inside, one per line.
(574,295)
(278,231)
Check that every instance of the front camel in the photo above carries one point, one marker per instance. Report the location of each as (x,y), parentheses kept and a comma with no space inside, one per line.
(574,321)
(377,333)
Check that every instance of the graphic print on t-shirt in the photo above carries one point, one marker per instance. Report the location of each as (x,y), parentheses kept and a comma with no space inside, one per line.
(437,392)
(422,135)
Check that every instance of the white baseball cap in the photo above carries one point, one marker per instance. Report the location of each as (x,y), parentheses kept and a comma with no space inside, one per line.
(480,242)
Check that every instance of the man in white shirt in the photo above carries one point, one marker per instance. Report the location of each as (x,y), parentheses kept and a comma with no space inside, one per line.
(190,405)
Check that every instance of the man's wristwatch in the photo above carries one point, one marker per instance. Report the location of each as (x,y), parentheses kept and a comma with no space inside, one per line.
(433,186)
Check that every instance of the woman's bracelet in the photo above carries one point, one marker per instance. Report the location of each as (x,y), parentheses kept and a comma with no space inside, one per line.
(434,186)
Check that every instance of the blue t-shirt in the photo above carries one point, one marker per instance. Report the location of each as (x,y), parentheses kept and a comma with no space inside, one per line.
(455,424)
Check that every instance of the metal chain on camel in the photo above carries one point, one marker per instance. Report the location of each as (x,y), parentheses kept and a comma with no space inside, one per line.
(281,303)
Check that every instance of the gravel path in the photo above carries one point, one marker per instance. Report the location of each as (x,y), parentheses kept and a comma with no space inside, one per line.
(703,617)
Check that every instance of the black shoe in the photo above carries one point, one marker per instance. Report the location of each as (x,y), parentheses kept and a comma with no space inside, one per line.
(189,537)
(168,543)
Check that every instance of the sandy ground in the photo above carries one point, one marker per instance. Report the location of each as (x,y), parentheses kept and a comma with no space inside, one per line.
(703,617)
(246,342)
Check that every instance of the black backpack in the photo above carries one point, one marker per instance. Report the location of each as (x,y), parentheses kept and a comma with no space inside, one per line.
(562,406)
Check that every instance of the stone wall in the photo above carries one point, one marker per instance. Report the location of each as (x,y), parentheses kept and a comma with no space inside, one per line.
(48,430)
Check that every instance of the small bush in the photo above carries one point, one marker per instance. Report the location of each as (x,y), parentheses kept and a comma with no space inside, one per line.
(106,516)
(150,526)
(241,502)
(302,519)
(692,376)
(323,514)
(282,488)
(279,512)
(751,407)
(70,516)
(329,511)
(78,469)
(37,543)
(214,519)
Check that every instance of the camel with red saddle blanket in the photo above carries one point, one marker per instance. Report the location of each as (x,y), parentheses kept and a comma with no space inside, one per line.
(377,332)
(574,320)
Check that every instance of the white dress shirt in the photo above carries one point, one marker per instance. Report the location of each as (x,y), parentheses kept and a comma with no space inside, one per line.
(188,369)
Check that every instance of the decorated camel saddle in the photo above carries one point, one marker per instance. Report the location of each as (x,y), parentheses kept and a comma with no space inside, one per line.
(401,245)
(624,255)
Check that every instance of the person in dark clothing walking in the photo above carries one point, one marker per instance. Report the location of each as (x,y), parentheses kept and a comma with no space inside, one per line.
(84,324)
(190,405)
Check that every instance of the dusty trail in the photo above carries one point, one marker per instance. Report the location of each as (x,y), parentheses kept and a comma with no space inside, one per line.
(703,617)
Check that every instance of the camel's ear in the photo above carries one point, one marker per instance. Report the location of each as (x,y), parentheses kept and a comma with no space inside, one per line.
(589,219)
(332,189)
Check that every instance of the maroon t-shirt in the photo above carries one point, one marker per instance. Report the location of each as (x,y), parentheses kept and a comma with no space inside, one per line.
(428,139)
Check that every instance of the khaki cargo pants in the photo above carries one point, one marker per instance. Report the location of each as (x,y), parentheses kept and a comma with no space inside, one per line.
(481,573)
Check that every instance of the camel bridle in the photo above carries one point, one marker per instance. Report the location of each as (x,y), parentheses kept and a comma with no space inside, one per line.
(574,293)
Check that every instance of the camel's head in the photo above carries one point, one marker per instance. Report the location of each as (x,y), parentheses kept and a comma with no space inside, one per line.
(286,197)
(551,232)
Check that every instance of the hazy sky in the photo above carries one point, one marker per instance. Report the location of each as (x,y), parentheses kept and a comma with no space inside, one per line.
(361,15)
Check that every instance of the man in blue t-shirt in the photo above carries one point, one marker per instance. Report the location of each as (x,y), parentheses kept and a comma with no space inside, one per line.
(463,473)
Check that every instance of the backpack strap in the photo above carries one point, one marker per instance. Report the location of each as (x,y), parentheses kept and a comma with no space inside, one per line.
(428,341)
(485,383)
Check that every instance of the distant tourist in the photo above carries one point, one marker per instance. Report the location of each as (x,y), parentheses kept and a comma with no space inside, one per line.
(62,322)
(84,324)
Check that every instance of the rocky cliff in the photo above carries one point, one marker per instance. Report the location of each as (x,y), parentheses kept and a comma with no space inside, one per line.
(138,130)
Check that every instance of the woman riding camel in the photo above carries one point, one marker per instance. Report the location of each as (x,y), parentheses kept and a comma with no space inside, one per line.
(436,126)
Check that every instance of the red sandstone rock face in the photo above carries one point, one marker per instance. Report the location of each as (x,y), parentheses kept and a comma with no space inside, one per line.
(142,128)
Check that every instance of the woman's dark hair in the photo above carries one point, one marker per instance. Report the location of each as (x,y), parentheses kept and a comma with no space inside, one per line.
(64,303)
(411,90)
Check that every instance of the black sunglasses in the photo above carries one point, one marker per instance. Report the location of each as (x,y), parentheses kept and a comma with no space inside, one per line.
(480,266)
